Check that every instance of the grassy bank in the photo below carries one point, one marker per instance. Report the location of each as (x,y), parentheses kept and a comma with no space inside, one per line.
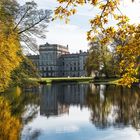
(105,81)
(50,80)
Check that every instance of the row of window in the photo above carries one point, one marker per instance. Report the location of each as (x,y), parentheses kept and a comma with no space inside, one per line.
(72,74)
(49,74)
(49,68)
(53,62)
(55,68)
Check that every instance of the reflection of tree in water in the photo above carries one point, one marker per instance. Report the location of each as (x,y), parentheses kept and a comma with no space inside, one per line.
(32,135)
(20,101)
(9,125)
(13,105)
(109,105)
(116,106)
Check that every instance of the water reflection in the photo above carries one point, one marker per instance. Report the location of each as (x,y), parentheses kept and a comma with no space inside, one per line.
(56,99)
(74,105)
(109,105)
(13,104)
(72,110)
(117,106)
(9,125)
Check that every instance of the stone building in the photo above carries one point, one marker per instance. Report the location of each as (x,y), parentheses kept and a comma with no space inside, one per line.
(73,64)
(55,61)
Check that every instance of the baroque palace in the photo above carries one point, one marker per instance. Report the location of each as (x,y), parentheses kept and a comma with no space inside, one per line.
(55,61)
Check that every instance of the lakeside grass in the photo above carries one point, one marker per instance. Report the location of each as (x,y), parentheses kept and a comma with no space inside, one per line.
(50,80)
(106,81)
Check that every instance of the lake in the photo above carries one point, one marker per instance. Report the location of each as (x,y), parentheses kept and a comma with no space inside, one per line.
(75,112)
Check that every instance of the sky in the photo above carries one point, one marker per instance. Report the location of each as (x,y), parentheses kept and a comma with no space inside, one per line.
(74,33)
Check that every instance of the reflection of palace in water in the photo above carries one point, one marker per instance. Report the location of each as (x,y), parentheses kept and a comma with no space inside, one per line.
(109,105)
(56,99)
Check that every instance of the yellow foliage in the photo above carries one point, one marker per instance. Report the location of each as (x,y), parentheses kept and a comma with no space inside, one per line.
(9,57)
(9,48)
(129,35)
(130,53)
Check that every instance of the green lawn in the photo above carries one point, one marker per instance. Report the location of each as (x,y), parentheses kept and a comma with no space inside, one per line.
(50,80)
(63,79)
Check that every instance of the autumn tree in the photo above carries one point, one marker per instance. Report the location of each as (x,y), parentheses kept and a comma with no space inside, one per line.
(127,33)
(101,59)
(18,24)
(31,22)
(20,76)
(92,64)
(9,46)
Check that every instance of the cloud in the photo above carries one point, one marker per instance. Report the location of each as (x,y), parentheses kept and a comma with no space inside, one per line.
(131,10)
(65,27)
(74,34)
(67,129)
(45,4)
(69,34)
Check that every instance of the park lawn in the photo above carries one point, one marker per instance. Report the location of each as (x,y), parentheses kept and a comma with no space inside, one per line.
(49,80)
(62,79)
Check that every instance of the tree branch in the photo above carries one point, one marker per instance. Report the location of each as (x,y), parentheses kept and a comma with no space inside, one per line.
(28,28)
(104,10)
(21,19)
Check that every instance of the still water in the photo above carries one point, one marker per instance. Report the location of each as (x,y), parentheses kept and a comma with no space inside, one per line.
(75,112)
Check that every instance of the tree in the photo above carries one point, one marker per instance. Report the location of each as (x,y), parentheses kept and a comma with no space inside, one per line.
(31,22)
(9,46)
(129,52)
(100,24)
(92,62)
(18,24)
(20,76)
(101,59)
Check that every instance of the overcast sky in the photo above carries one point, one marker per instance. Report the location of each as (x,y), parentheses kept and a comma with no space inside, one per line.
(74,33)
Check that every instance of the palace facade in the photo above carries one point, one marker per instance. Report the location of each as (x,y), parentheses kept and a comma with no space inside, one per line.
(55,61)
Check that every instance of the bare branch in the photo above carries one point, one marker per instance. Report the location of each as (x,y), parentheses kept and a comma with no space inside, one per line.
(21,19)
(28,28)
